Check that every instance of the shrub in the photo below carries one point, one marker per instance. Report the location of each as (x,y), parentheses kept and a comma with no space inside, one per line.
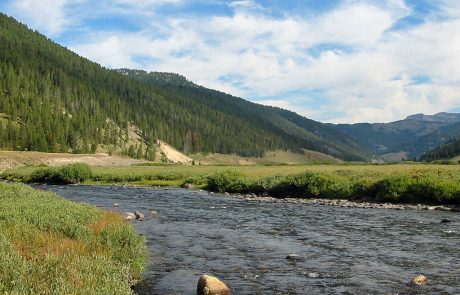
(228,181)
(72,173)
(75,173)
(196,180)
(394,188)
(266,184)
(435,188)
(311,185)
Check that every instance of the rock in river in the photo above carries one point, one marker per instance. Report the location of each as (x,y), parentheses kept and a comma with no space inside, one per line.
(139,216)
(420,280)
(154,213)
(209,285)
(295,257)
(133,215)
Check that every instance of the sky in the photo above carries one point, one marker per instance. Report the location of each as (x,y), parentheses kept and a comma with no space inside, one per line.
(338,61)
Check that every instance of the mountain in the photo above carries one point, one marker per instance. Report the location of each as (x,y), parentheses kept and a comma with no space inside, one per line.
(306,133)
(410,137)
(439,117)
(445,151)
(53,100)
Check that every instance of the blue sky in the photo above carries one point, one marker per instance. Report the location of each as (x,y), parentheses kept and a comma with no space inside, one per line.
(331,60)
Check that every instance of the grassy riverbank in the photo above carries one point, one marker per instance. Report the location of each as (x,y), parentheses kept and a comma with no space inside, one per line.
(403,183)
(49,245)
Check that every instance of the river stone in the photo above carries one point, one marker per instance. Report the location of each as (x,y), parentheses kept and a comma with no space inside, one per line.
(420,280)
(209,285)
(139,216)
(295,257)
(154,213)
(128,216)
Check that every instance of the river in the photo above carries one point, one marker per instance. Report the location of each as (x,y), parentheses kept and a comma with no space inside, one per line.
(342,250)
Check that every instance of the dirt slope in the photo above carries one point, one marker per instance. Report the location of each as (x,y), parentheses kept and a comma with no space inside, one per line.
(9,159)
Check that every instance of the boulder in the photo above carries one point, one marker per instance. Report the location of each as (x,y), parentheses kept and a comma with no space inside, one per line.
(209,285)
(129,216)
(445,221)
(420,280)
(139,216)
(116,205)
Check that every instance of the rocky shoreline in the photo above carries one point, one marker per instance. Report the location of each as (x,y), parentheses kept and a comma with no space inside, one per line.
(360,203)
(342,203)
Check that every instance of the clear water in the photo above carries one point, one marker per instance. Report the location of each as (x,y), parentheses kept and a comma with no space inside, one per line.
(345,250)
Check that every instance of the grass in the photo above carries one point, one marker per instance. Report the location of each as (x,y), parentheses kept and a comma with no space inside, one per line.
(52,246)
(397,183)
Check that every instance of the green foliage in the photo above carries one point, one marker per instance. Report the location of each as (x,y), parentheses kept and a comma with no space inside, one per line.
(72,173)
(228,181)
(394,188)
(428,187)
(52,246)
(312,185)
(196,180)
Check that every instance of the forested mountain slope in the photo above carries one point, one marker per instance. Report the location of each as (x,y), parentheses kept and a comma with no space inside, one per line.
(303,132)
(414,135)
(445,151)
(54,100)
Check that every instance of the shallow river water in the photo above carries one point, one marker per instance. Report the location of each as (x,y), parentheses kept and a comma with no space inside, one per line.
(342,250)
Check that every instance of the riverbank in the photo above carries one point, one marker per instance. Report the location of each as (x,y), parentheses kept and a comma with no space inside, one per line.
(344,203)
(366,185)
(51,245)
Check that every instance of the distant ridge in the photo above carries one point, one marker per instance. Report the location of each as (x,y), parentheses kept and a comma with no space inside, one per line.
(439,117)
(411,137)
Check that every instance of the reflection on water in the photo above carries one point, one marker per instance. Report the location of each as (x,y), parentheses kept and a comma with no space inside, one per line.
(343,250)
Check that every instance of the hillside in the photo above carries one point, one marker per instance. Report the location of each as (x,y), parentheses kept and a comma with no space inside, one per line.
(410,137)
(53,100)
(301,132)
(449,150)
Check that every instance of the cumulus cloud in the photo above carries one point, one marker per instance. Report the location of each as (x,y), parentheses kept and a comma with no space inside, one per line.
(365,66)
(45,15)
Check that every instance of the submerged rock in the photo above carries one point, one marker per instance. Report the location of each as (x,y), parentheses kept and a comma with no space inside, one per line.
(209,285)
(154,213)
(445,221)
(295,257)
(420,280)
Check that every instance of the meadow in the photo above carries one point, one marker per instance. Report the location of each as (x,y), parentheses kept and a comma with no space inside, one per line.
(396,183)
(49,245)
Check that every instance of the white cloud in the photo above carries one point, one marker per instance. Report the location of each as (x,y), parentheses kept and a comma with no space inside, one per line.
(46,15)
(366,75)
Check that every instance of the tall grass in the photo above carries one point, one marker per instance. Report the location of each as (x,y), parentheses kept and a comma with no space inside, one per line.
(408,183)
(52,246)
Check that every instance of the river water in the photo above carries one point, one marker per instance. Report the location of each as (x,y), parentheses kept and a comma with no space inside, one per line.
(342,250)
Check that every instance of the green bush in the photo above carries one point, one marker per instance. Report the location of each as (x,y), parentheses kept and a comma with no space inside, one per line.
(198,180)
(312,185)
(395,188)
(434,188)
(72,173)
(228,181)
